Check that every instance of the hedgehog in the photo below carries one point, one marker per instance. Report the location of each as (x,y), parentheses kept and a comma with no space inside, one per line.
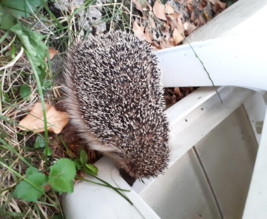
(115,101)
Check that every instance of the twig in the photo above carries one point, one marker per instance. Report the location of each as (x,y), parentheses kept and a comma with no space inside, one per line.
(131,14)
(14,60)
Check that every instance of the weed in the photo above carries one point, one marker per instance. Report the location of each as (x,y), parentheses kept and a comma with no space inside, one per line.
(27,75)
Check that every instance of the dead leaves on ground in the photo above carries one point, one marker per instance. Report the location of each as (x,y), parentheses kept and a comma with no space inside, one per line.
(166,25)
(56,120)
(172,95)
(159,10)
(52,52)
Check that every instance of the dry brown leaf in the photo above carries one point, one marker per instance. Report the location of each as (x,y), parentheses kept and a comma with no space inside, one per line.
(148,36)
(189,27)
(156,45)
(159,10)
(56,120)
(201,19)
(221,4)
(52,53)
(190,8)
(151,22)
(167,43)
(178,91)
(138,5)
(217,9)
(176,22)
(169,9)
(138,30)
(177,37)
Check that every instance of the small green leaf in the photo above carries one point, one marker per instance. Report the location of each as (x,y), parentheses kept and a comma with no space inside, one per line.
(57,216)
(35,189)
(47,84)
(39,142)
(90,169)
(6,20)
(78,164)
(24,91)
(47,151)
(34,47)
(5,97)
(83,157)
(31,170)
(21,8)
(3,135)
(62,174)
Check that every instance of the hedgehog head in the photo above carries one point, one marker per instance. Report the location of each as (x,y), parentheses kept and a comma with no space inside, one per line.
(115,100)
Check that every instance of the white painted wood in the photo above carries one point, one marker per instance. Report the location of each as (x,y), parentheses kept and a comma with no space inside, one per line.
(230,61)
(228,153)
(256,109)
(257,197)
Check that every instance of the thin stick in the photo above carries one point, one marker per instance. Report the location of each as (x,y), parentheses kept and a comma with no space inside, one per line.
(13,60)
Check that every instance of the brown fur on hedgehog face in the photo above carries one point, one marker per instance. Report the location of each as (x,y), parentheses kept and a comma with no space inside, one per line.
(115,100)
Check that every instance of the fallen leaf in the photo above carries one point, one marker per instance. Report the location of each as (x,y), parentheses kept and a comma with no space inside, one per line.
(56,120)
(178,91)
(177,36)
(217,9)
(167,43)
(148,36)
(176,22)
(201,19)
(151,23)
(156,45)
(193,17)
(190,7)
(52,53)
(159,10)
(138,30)
(139,5)
(189,27)
(169,9)
(221,4)
(202,5)
(141,32)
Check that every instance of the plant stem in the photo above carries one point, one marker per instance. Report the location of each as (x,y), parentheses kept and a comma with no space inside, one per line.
(9,147)
(109,185)
(105,185)
(39,86)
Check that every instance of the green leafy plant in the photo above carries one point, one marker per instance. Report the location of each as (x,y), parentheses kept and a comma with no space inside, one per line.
(35,184)
(39,142)
(28,29)
(61,175)
(24,91)
(11,14)
(12,11)
(60,179)
(92,171)
(32,187)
